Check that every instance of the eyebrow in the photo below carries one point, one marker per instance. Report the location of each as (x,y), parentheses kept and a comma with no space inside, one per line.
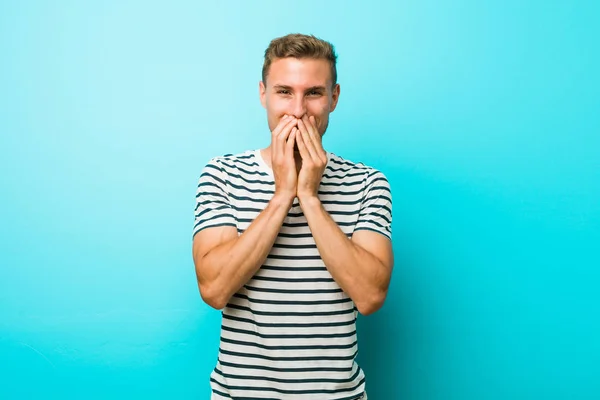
(286,87)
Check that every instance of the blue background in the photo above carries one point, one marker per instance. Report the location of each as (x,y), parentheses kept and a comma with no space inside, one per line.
(483,115)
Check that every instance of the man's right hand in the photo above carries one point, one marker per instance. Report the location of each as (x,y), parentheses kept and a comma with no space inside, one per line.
(283,139)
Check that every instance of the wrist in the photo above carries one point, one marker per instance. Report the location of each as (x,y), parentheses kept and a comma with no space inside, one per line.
(283,199)
(309,200)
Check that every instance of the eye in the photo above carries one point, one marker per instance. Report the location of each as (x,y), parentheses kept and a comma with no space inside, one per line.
(314,93)
(283,91)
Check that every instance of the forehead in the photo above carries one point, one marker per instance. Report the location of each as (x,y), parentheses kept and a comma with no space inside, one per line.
(299,72)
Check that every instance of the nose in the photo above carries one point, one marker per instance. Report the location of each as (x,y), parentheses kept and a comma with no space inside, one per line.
(298,107)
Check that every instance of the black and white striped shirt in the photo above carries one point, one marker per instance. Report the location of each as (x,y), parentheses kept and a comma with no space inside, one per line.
(290,332)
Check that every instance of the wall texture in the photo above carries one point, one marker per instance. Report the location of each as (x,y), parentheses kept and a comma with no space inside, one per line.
(483,115)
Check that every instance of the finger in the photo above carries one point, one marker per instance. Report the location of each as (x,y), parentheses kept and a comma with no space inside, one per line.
(310,124)
(280,138)
(285,133)
(304,153)
(312,130)
(286,129)
(289,145)
(308,143)
(281,124)
(316,137)
(275,134)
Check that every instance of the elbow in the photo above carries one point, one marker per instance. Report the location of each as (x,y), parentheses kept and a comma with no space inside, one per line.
(212,296)
(371,304)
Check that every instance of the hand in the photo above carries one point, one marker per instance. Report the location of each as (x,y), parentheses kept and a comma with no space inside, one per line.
(282,158)
(314,158)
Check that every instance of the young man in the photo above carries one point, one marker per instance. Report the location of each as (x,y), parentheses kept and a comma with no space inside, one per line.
(291,242)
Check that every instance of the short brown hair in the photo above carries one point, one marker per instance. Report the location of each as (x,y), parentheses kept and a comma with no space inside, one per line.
(300,46)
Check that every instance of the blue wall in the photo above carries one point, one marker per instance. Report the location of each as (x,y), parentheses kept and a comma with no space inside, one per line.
(485,117)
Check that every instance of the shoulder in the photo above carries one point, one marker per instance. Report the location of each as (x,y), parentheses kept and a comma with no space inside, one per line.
(228,163)
(338,164)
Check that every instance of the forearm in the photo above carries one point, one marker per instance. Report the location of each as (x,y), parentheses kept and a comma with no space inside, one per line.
(359,273)
(226,268)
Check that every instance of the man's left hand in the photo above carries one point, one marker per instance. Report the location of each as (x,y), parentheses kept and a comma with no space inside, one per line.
(314,158)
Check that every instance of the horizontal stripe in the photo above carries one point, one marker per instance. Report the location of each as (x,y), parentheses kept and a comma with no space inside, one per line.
(242,160)
(265,347)
(290,313)
(324,202)
(266,183)
(279,380)
(271,358)
(269,368)
(290,325)
(213,172)
(339,161)
(384,188)
(370,221)
(343,183)
(342,169)
(292,291)
(294,246)
(271,389)
(223,215)
(292,257)
(210,202)
(293,302)
(290,336)
(219,194)
(208,210)
(244,170)
(269,190)
(209,184)
(341,193)
(296,235)
(345,176)
(386,233)
(378,215)
(296,280)
(243,398)
(283,268)
(239,156)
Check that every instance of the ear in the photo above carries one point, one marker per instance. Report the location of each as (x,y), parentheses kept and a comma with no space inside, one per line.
(335,95)
(262,90)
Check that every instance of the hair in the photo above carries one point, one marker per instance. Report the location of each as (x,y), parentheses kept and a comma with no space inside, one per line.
(300,46)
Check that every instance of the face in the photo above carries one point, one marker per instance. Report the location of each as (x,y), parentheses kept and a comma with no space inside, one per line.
(297,87)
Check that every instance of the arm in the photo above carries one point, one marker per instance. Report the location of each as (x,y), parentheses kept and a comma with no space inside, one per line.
(361,266)
(225,261)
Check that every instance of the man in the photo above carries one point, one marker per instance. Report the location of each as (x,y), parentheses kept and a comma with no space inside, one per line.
(291,242)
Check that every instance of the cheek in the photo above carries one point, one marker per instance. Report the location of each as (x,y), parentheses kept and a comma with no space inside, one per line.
(321,115)
(316,109)
(277,110)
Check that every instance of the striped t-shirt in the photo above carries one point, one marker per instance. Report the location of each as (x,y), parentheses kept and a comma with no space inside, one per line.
(290,331)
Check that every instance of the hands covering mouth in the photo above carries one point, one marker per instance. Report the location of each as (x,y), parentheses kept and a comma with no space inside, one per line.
(297,136)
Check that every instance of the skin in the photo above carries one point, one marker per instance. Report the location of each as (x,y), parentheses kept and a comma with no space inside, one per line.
(298,97)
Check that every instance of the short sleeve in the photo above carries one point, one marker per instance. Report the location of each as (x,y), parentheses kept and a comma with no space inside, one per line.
(376,208)
(213,207)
